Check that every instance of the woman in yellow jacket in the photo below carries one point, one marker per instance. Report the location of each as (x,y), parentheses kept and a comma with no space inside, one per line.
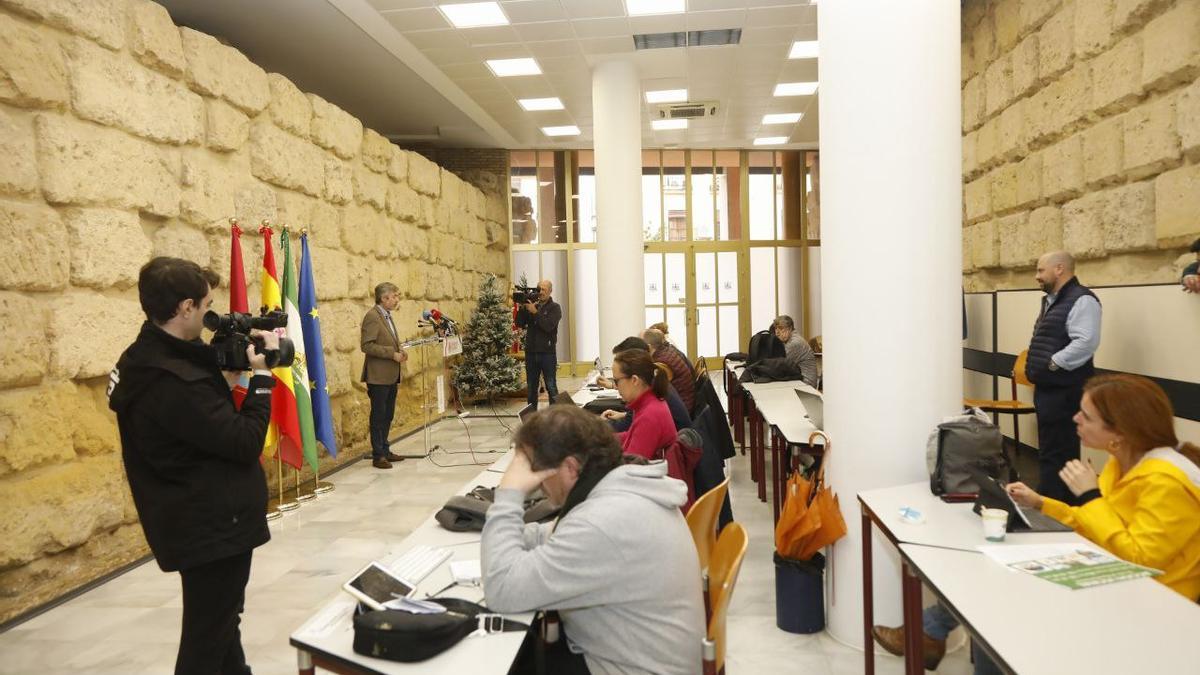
(1145,506)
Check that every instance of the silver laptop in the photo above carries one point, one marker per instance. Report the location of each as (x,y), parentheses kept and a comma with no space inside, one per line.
(814,405)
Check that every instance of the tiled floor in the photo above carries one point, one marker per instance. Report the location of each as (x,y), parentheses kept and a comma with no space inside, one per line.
(131,624)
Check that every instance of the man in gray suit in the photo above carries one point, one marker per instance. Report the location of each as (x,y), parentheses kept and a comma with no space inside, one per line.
(381,370)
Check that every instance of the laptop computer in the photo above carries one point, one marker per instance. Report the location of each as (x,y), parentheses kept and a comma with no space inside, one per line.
(563,398)
(992,495)
(525,412)
(814,406)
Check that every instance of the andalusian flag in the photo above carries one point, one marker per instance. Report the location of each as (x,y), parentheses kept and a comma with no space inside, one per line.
(317,382)
(301,389)
(285,427)
(237,298)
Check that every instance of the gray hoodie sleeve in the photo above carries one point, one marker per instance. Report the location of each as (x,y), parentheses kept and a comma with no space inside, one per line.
(577,567)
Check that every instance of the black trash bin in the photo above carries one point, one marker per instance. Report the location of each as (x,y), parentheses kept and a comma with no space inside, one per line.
(800,594)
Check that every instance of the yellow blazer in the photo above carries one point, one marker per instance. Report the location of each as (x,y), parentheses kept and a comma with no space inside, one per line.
(1150,516)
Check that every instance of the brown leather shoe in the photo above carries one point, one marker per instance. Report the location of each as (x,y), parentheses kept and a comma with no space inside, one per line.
(381,463)
(393,457)
(892,639)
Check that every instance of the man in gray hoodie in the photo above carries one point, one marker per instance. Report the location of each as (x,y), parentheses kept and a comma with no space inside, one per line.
(619,565)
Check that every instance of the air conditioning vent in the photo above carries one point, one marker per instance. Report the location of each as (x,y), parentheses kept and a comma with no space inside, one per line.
(689,110)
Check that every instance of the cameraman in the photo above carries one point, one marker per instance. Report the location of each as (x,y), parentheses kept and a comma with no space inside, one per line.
(541,320)
(192,458)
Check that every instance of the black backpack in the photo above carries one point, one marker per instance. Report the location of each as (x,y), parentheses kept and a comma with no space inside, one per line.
(764,345)
(397,635)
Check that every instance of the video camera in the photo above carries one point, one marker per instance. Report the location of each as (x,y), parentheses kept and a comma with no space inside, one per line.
(232,336)
(524,294)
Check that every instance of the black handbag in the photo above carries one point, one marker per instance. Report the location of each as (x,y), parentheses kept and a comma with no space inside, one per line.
(397,635)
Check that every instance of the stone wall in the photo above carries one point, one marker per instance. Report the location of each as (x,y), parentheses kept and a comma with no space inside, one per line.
(1081,131)
(123,137)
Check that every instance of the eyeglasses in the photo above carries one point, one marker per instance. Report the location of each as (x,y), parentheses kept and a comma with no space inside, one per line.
(617,380)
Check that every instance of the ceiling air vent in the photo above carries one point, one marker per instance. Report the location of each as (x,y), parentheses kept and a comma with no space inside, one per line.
(689,110)
(695,38)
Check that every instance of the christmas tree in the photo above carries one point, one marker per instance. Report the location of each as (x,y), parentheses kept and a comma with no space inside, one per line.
(487,368)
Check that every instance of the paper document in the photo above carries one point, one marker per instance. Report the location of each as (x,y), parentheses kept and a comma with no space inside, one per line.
(466,571)
(415,606)
(1072,565)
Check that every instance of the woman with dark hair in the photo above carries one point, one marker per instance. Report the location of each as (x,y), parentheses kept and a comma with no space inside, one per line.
(643,387)
(1145,506)
(619,565)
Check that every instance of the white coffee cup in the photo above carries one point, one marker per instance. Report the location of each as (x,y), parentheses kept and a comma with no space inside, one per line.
(995,523)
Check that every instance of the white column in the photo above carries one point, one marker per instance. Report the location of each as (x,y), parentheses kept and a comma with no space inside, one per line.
(891,247)
(617,138)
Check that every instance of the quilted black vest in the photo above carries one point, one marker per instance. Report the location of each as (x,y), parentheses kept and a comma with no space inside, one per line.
(1050,336)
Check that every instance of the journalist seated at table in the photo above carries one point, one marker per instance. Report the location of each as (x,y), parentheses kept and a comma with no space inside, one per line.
(1144,507)
(621,421)
(618,566)
(643,387)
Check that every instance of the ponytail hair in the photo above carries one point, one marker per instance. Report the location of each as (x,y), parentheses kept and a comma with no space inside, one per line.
(561,431)
(635,362)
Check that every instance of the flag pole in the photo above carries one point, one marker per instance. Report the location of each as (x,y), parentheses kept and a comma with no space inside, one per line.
(306,496)
(320,488)
(281,504)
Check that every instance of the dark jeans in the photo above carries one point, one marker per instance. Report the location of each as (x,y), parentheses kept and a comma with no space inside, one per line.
(213,598)
(546,365)
(383,409)
(1058,441)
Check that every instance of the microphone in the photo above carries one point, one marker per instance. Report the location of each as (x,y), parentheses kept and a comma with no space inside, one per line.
(441,318)
(427,315)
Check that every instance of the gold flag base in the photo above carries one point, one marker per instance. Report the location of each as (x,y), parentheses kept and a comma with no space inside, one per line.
(273,513)
(323,487)
(287,506)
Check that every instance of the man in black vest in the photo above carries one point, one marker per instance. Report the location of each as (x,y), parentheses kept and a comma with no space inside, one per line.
(1065,337)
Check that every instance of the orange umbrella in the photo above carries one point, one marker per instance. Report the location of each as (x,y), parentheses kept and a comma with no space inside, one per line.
(811,518)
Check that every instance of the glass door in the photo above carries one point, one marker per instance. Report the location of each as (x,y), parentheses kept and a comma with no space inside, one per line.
(667,293)
(716,309)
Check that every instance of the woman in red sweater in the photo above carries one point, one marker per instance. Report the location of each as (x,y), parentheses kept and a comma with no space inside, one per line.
(643,388)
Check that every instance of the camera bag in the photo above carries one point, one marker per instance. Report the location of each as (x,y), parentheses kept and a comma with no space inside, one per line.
(397,635)
(468,513)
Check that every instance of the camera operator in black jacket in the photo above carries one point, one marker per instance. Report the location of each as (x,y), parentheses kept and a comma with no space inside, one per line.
(192,458)
(540,317)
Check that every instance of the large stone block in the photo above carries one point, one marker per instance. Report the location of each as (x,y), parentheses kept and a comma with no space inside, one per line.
(987,143)
(1171,47)
(1093,27)
(181,241)
(335,129)
(285,160)
(1029,180)
(119,92)
(341,321)
(1004,188)
(423,175)
(984,248)
(370,187)
(452,190)
(428,217)
(998,85)
(397,168)
(35,248)
(968,236)
(1176,203)
(360,230)
(1062,169)
(1151,141)
(1009,235)
(376,151)
(1025,66)
(23,322)
(360,280)
(254,202)
(289,107)
(1044,232)
(210,182)
(108,247)
(1103,152)
(1117,76)
(1056,44)
(94,429)
(217,70)
(330,272)
(475,199)
(498,206)
(1187,120)
(337,371)
(18,171)
(88,331)
(1129,15)
(339,180)
(1034,13)
(33,73)
(1083,225)
(325,222)
(1129,221)
(403,202)
(1068,101)
(1007,18)
(84,164)
(37,428)
(154,38)
(983,44)
(227,127)
(972,102)
(100,20)
(417,280)
(1010,132)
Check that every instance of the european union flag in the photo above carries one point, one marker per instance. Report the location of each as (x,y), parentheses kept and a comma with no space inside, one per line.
(311,323)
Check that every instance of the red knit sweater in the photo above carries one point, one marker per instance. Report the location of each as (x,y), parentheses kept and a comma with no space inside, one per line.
(652,426)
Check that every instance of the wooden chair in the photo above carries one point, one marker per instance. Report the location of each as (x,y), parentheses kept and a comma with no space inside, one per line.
(723,569)
(1012,406)
(702,521)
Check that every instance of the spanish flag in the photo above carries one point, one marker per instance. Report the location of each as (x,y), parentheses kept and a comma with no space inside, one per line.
(285,423)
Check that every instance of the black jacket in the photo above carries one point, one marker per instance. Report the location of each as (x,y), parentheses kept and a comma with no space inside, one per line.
(191,457)
(543,327)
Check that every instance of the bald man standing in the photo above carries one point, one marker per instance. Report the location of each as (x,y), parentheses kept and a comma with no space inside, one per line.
(540,319)
(1065,337)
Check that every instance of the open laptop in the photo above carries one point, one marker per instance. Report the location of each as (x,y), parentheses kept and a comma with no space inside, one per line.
(525,412)
(563,398)
(992,495)
(814,406)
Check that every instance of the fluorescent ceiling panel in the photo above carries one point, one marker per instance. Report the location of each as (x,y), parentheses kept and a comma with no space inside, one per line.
(474,14)
(667,96)
(664,125)
(644,7)
(795,88)
(532,104)
(771,140)
(513,67)
(782,118)
(570,130)
(803,50)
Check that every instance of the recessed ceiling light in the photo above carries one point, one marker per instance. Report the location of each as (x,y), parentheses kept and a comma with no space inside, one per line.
(663,125)
(474,14)
(803,50)
(513,67)
(643,7)
(795,88)
(782,118)
(667,96)
(771,140)
(569,130)
(532,104)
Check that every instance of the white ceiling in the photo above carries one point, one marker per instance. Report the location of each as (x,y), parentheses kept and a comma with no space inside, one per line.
(400,67)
